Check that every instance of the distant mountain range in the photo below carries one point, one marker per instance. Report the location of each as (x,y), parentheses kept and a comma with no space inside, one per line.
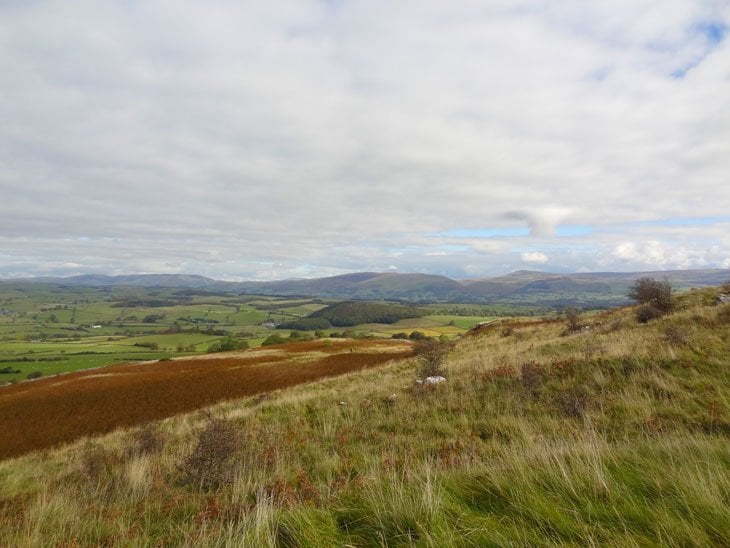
(521,287)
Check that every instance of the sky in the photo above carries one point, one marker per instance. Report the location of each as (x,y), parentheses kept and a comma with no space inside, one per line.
(301,138)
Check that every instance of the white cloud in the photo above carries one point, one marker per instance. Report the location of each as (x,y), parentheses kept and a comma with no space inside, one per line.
(534,257)
(324,137)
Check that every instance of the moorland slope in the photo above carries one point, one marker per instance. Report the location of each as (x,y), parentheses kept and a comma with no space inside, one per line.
(615,434)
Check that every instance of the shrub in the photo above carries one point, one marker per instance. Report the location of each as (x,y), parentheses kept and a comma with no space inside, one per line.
(507,331)
(572,317)
(228,344)
(676,335)
(572,402)
(95,463)
(275,338)
(647,312)
(34,375)
(210,465)
(654,296)
(152,318)
(500,373)
(147,440)
(532,376)
(432,355)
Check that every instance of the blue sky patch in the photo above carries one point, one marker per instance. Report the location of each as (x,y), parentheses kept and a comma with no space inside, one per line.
(574,230)
(714,32)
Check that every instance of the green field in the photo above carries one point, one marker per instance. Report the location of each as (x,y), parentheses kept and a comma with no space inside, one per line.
(53,329)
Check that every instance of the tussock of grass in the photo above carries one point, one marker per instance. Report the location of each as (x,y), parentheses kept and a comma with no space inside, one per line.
(617,435)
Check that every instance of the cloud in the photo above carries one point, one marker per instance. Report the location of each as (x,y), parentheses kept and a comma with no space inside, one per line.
(307,137)
(534,257)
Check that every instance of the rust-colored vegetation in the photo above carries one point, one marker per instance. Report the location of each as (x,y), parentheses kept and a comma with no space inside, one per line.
(55,410)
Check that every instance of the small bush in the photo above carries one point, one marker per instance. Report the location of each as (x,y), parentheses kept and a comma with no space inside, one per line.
(228,344)
(34,375)
(276,338)
(616,325)
(676,335)
(498,374)
(432,355)
(210,465)
(573,320)
(148,440)
(572,402)
(532,376)
(94,463)
(647,312)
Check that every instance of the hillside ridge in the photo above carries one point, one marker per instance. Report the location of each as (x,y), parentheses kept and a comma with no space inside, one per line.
(555,289)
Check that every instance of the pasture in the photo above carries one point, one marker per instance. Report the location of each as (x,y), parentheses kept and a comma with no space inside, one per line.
(48,329)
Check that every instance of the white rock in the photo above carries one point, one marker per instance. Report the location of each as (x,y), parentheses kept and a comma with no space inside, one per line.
(436,379)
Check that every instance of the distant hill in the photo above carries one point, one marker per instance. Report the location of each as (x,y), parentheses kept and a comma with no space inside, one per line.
(138,280)
(349,313)
(524,287)
(361,286)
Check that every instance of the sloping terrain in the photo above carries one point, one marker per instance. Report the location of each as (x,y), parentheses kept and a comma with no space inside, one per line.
(617,434)
(46,412)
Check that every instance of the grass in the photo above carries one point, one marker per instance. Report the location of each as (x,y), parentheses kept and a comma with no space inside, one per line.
(617,435)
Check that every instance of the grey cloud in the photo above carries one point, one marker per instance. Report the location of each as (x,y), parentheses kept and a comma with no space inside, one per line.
(308,137)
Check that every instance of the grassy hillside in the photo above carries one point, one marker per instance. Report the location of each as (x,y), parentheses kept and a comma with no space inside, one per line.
(615,435)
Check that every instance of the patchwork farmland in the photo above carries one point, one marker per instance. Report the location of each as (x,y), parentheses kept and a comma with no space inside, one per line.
(48,329)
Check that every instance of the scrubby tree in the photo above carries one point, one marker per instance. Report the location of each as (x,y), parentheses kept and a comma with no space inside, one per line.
(573,319)
(654,296)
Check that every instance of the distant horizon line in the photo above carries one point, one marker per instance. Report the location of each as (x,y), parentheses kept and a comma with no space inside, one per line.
(273,280)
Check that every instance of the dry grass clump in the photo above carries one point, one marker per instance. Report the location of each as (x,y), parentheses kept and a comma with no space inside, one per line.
(532,376)
(723,314)
(210,465)
(677,335)
(572,402)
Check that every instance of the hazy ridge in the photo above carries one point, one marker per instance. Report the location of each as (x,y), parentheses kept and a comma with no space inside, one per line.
(606,288)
